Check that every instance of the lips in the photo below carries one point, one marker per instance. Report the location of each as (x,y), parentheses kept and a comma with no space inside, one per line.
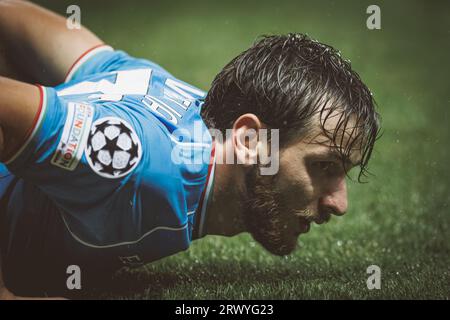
(323,218)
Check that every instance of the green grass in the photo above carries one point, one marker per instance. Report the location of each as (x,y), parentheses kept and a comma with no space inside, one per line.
(399,221)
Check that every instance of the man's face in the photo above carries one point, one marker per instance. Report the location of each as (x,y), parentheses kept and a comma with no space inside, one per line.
(309,187)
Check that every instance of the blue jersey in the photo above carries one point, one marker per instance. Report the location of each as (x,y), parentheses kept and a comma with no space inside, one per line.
(114,170)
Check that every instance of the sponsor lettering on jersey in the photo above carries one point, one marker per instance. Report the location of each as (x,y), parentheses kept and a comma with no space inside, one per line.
(76,131)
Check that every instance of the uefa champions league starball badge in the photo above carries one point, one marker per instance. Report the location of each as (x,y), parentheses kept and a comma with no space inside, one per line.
(113,149)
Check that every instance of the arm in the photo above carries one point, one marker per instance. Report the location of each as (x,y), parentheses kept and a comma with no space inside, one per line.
(39,49)
(5,294)
(19,103)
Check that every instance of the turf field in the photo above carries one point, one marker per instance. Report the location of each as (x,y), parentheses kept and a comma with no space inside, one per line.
(399,220)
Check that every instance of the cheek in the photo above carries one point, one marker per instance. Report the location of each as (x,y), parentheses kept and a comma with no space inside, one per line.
(294,183)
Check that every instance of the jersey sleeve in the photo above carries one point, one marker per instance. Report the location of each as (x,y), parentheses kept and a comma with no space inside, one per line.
(103,59)
(86,158)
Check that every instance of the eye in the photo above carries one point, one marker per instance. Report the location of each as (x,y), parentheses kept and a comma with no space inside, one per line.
(327,167)
(324,165)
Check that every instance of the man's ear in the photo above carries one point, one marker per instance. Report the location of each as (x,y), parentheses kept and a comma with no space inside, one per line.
(245,138)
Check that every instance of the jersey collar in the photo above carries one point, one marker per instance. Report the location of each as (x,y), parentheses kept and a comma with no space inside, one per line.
(200,214)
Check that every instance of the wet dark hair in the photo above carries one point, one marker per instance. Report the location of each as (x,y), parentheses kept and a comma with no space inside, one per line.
(287,79)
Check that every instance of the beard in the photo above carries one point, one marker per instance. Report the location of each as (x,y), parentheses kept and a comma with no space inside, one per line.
(265,216)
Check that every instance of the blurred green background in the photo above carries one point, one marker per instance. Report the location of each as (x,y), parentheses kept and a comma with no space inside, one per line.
(399,220)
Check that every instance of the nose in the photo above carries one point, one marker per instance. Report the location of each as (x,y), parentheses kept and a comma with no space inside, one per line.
(335,199)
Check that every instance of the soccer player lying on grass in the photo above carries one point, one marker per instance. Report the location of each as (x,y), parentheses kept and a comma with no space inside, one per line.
(95,158)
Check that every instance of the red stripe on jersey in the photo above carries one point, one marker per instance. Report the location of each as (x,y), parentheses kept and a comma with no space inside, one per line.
(81,57)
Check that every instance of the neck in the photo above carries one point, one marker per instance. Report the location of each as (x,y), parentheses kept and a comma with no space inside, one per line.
(224,211)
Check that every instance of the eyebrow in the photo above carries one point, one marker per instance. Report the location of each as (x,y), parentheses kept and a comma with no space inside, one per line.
(333,152)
